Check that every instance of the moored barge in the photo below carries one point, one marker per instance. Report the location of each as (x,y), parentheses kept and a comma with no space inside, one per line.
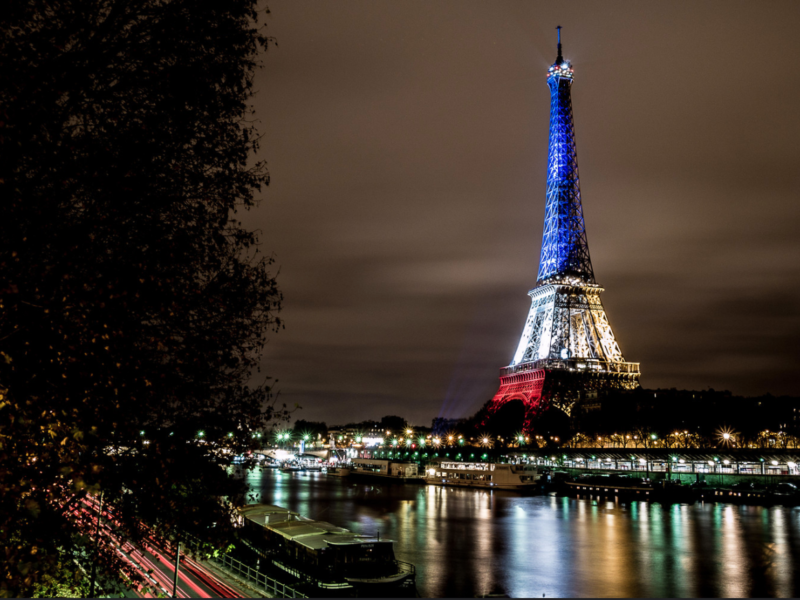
(330,558)
(385,470)
(485,475)
(611,485)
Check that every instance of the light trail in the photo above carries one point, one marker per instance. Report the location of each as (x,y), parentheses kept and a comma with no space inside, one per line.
(155,563)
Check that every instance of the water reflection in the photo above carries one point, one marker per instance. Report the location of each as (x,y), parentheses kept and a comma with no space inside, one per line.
(471,542)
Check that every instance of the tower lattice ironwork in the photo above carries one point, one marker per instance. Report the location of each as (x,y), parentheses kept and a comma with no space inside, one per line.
(567,345)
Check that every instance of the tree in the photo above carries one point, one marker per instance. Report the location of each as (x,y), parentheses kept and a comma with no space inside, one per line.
(133,305)
(393,423)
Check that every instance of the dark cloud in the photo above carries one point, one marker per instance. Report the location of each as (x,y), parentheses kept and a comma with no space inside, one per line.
(407,144)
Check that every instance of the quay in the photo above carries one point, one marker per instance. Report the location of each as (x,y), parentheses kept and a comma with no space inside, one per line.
(688,465)
(715,466)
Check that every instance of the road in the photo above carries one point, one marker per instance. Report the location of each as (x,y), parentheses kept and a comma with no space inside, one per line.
(156,561)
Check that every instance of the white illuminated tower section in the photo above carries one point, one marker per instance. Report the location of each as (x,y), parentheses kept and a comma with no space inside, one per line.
(567,345)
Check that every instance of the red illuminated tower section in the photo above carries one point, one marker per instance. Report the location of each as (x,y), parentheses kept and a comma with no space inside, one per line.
(567,345)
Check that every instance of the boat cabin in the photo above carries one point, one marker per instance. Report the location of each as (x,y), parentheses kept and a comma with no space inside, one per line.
(387,468)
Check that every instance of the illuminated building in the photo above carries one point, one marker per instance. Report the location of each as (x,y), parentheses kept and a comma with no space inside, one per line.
(567,346)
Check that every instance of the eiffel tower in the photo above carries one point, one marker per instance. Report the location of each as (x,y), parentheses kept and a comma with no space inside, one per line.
(567,346)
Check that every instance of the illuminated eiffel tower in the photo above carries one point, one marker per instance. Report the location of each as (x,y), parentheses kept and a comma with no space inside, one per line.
(567,347)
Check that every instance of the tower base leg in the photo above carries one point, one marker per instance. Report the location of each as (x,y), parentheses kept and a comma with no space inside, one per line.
(526,387)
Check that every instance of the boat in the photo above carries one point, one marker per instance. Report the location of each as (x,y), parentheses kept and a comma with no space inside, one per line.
(385,470)
(338,471)
(749,493)
(330,558)
(611,485)
(310,463)
(499,476)
(291,467)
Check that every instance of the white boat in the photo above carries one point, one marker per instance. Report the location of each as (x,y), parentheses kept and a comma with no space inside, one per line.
(291,468)
(484,475)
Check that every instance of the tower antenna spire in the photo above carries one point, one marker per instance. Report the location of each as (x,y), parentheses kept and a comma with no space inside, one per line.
(560,58)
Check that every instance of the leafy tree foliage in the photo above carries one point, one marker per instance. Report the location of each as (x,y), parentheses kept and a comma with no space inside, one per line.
(393,423)
(133,306)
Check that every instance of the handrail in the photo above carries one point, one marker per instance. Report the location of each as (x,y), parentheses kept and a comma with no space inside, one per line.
(577,364)
(275,588)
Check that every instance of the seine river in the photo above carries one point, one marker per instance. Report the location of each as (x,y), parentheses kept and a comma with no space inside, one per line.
(470,543)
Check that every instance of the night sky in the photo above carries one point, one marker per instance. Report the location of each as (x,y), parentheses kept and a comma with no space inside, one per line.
(407,143)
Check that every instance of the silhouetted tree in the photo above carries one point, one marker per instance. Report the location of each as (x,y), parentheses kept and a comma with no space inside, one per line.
(393,423)
(133,306)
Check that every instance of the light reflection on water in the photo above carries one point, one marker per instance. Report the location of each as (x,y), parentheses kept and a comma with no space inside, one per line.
(472,542)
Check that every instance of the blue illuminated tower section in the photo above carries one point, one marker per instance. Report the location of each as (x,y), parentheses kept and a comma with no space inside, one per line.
(567,351)
(565,250)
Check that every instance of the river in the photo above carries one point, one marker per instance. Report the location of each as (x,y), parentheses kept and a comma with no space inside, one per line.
(469,543)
